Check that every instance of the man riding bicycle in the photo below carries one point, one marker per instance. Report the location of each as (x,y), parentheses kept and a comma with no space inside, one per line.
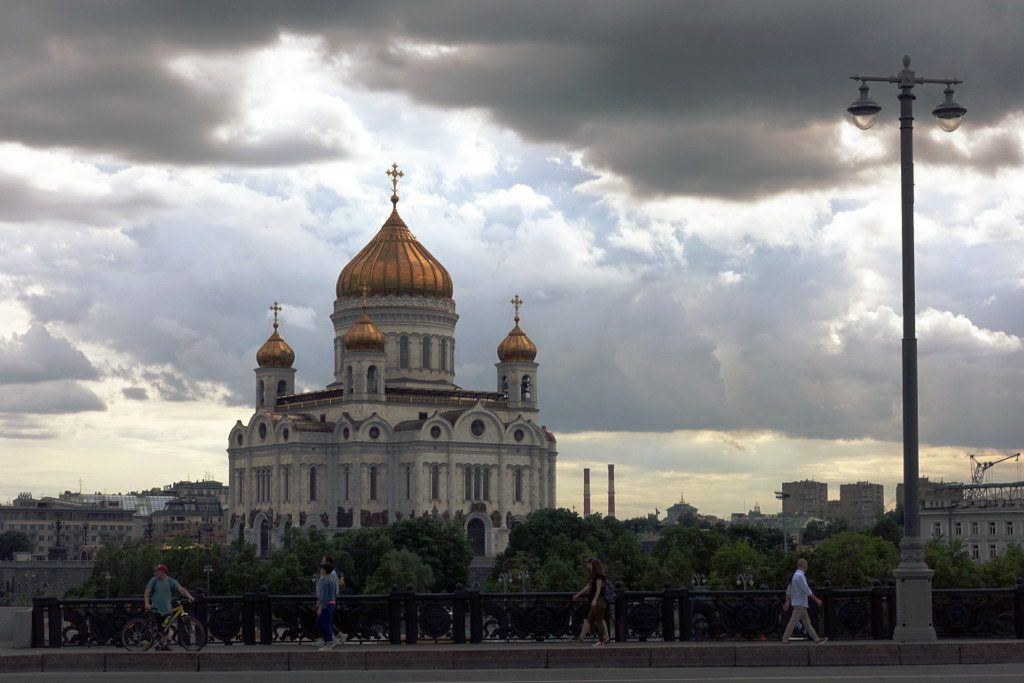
(158,597)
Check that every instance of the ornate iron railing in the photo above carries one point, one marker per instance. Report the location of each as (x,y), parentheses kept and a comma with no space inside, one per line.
(468,616)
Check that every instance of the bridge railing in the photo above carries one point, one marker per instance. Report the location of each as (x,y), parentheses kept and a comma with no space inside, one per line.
(469,616)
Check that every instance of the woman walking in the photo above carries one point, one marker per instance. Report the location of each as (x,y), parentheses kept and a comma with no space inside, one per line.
(594,589)
(326,598)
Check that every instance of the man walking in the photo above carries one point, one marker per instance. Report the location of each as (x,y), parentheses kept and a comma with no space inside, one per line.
(797,594)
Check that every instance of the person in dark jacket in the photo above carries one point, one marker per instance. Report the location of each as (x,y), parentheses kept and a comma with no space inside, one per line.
(326,600)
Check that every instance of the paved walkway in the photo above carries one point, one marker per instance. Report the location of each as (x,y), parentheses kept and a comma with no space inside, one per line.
(515,656)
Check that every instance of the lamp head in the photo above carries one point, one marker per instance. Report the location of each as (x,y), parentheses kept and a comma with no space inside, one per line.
(949,112)
(864,110)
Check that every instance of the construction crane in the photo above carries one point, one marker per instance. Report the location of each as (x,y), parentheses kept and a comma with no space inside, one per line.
(978,469)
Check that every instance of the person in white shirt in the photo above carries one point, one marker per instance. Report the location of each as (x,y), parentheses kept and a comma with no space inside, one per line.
(797,595)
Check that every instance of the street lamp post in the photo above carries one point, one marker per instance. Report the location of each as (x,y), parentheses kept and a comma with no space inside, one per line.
(913,578)
(107,577)
(781,496)
(207,569)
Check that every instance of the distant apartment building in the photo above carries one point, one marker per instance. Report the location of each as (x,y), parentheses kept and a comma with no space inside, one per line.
(805,499)
(986,518)
(933,493)
(62,529)
(861,504)
(833,510)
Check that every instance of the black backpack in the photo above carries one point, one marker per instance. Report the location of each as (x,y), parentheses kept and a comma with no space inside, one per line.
(609,591)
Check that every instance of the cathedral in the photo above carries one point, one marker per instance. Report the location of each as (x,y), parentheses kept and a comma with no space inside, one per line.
(393,436)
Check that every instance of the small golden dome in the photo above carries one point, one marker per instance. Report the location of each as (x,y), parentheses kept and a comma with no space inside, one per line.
(395,263)
(275,352)
(364,335)
(516,346)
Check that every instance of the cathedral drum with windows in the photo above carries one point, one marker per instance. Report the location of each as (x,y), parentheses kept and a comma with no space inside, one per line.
(393,436)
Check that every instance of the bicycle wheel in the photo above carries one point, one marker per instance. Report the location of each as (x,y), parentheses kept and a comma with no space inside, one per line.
(137,634)
(191,634)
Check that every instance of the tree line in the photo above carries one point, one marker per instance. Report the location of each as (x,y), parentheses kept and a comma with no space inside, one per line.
(545,553)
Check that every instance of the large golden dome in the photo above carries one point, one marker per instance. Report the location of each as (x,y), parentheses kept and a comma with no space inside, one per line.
(275,352)
(395,263)
(516,346)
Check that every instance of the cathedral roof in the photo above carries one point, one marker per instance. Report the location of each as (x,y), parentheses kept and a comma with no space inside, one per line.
(516,346)
(275,352)
(394,263)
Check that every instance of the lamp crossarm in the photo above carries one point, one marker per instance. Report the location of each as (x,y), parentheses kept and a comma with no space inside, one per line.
(896,79)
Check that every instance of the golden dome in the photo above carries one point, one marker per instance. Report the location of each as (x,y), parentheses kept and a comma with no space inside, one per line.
(516,346)
(275,352)
(364,335)
(394,262)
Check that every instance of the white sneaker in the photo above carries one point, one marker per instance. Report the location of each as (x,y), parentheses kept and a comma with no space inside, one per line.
(328,647)
(319,642)
(342,639)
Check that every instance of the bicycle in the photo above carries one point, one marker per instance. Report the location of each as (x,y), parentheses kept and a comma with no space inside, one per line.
(152,630)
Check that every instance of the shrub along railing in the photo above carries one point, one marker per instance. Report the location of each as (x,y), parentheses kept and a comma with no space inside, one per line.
(469,616)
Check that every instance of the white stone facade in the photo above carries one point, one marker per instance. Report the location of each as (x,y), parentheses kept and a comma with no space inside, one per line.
(392,436)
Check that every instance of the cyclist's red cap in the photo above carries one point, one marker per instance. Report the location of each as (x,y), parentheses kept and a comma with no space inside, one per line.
(162,568)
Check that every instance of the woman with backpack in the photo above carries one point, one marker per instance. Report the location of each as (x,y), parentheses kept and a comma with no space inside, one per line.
(595,589)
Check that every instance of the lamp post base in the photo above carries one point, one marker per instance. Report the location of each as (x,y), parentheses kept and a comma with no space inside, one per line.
(913,595)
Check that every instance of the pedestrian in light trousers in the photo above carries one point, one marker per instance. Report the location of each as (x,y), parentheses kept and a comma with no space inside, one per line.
(797,595)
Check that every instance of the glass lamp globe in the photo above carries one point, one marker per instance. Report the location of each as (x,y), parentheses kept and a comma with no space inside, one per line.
(864,110)
(950,113)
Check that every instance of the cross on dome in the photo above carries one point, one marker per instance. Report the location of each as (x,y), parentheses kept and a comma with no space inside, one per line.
(276,308)
(394,174)
(517,302)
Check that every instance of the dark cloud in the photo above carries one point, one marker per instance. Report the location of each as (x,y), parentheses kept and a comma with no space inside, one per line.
(37,356)
(49,398)
(135,393)
(678,97)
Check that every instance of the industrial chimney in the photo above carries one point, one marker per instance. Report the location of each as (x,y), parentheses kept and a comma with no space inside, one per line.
(586,492)
(611,490)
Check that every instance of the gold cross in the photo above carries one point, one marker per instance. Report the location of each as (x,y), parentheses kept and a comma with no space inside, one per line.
(394,174)
(517,302)
(276,308)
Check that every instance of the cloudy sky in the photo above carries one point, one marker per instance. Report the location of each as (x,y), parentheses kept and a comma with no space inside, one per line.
(708,251)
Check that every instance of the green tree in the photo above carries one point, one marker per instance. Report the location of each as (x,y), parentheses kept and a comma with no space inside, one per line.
(400,568)
(1004,570)
(623,562)
(953,567)
(890,527)
(699,545)
(364,550)
(761,538)
(441,545)
(13,542)
(849,560)
(730,561)
(642,525)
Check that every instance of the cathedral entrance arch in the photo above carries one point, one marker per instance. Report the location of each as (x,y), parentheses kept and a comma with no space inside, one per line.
(477,534)
(264,539)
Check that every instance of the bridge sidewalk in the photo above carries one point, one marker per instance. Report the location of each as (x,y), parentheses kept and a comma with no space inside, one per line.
(513,656)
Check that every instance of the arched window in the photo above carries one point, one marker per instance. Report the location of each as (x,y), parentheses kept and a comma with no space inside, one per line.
(408,482)
(504,386)
(476,483)
(468,477)
(286,483)
(282,387)
(487,483)
(451,354)
(526,388)
(312,483)
(259,394)
(371,379)
(403,351)
(435,483)
(348,380)
(444,354)
(519,485)
(344,482)
(373,483)
(425,352)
